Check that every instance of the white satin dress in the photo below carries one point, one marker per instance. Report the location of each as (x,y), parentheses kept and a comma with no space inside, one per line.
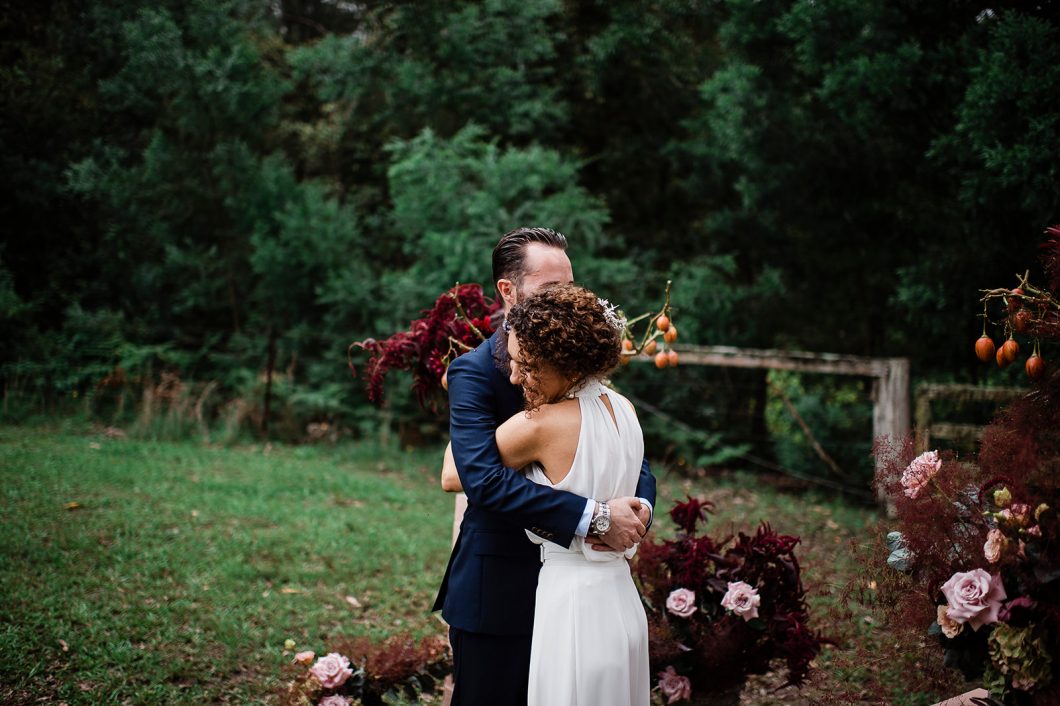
(590,639)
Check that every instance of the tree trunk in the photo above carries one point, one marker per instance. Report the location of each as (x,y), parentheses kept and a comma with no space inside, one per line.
(270,366)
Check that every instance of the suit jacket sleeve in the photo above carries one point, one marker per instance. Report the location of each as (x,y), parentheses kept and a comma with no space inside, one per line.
(646,487)
(487,483)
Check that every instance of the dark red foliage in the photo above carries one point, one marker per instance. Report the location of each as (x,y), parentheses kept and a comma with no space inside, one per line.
(1051,257)
(430,343)
(725,648)
(398,664)
(687,514)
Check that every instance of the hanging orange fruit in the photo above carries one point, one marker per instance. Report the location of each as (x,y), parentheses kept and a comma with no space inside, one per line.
(1002,361)
(663,322)
(662,360)
(984,348)
(672,357)
(651,347)
(627,345)
(671,334)
(1010,349)
(1035,367)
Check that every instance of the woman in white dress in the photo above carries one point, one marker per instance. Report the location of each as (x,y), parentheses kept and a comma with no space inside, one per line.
(590,637)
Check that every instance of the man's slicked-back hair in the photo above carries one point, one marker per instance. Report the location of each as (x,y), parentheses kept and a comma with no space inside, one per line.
(509,257)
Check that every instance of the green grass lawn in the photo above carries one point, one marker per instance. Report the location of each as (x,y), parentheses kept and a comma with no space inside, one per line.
(184,567)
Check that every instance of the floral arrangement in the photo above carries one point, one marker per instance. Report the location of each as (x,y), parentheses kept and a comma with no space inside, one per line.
(976,551)
(722,610)
(376,673)
(460,320)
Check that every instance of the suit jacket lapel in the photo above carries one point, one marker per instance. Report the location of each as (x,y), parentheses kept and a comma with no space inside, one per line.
(509,396)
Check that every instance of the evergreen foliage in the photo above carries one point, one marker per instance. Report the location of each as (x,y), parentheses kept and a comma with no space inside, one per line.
(231,192)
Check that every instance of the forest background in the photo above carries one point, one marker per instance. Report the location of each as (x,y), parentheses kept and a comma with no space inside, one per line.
(207,201)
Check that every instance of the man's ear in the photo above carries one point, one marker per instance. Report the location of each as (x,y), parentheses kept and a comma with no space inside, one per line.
(506,287)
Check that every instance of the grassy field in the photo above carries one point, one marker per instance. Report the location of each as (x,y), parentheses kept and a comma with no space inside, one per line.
(183,568)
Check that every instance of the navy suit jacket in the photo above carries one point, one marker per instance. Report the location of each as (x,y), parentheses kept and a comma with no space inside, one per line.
(491,579)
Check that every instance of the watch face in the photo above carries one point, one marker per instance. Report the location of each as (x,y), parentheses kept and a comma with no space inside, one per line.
(603,523)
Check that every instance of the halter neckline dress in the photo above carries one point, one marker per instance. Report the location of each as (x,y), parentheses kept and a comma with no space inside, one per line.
(590,637)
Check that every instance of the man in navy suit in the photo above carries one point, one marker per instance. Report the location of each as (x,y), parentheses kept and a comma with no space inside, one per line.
(487,595)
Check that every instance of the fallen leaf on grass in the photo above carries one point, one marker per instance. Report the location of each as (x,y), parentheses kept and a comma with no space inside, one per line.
(72,505)
(95,446)
(288,589)
(831,524)
(66,647)
(353,601)
(86,686)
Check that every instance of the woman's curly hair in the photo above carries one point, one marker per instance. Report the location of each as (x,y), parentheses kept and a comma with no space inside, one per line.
(565,327)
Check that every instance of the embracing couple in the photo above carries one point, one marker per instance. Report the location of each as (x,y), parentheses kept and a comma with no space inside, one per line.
(538,594)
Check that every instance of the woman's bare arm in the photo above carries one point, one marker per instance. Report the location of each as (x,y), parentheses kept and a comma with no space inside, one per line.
(450,478)
(517,439)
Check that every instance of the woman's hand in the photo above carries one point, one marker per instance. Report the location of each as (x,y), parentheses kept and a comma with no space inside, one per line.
(450,478)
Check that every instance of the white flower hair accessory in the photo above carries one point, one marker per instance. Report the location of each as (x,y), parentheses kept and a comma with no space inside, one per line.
(616,322)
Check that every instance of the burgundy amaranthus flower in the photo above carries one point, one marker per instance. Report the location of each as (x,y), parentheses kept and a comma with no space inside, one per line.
(431,343)
(687,514)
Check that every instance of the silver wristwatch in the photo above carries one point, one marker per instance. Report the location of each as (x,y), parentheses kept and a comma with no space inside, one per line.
(601,521)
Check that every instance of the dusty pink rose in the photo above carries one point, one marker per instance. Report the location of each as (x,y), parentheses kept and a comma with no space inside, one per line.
(1021,514)
(950,627)
(305,657)
(996,543)
(1035,531)
(334,701)
(919,472)
(674,687)
(332,670)
(681,602)
(974,597)
(742,599)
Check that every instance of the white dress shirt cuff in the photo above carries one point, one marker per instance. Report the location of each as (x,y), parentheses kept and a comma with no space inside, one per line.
(582,530)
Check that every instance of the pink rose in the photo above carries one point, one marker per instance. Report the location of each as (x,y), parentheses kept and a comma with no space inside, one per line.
(334,701)
(1021,514)
(950,627)
(996,543)
(681,602)
(332,670)
(742,599)
(974,597)
(305,657)
(919,472)
(1035,531)
(674,687)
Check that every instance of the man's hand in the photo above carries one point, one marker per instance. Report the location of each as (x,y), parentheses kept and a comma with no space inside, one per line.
(627,527)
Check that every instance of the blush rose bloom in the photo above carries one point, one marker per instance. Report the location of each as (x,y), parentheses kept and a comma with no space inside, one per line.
(950,627)
(681,602)
(334,701)
(974,597)
(305,657)
(996,544)
(332,670)
(674,687)
(919,472)
(742,599)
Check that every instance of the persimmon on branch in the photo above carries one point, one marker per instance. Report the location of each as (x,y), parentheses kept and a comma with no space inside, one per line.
(1029,310)
(660,325)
